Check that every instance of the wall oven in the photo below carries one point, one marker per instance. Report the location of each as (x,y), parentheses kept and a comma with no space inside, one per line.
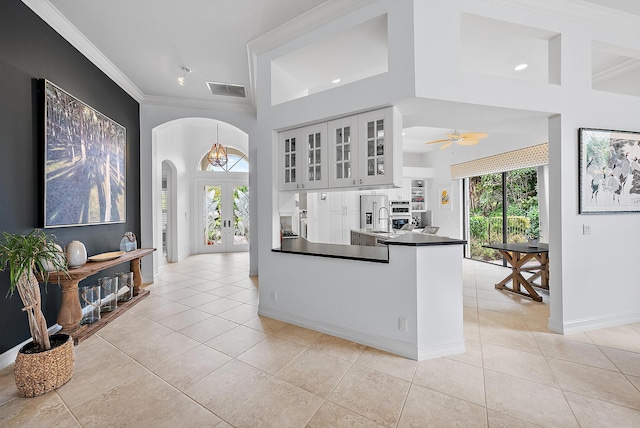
(400,213)
(400,209)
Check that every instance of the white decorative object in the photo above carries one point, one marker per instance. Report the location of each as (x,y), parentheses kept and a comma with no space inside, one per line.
(48,264)
(76,254)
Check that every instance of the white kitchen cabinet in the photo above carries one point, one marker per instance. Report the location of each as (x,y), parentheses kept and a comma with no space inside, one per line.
(380,160)
(345,215)
(303,158)
(362,152)
(343,152)
(289,158)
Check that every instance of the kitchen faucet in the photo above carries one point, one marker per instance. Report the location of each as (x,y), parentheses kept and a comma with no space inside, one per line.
(388,218)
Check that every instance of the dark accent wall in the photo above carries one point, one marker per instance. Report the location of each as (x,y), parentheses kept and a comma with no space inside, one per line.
(31,50)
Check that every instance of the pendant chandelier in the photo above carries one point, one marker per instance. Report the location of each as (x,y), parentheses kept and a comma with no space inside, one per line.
(217,156)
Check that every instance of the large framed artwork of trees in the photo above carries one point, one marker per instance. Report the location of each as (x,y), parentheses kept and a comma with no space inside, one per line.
(84,163)
(609,171)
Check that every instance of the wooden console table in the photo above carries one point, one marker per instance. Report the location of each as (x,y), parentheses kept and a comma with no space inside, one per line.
(70,312)
(517,255)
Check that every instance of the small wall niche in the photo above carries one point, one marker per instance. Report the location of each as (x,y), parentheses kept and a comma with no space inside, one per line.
(493,47)
(615,69)
(355,54)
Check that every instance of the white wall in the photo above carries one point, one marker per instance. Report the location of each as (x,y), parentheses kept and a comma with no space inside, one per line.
(584,268)
(592,284)
(285,274)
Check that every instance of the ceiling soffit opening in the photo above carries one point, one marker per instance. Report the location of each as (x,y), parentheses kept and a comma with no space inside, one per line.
(615,69)
(493,47)
(355,54)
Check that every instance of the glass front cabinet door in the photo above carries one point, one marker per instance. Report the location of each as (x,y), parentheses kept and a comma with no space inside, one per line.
(362,150)
(289,159)
(315,140)
(303,158)
(343,152)
(376,152)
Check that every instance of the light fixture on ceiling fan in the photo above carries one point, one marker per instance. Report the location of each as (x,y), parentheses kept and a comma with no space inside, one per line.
(466,139)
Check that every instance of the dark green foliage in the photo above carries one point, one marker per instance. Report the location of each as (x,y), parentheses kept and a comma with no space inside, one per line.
(485,210)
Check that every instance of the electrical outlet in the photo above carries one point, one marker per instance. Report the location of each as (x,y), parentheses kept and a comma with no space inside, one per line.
(586,229)
(274,296)
(402,324)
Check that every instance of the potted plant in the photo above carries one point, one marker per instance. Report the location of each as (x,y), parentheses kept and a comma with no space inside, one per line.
(533,234)
(46,363)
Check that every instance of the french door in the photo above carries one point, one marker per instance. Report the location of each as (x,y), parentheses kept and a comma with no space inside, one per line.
(224,216)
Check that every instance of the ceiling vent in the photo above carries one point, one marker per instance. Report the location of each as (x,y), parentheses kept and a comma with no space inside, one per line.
(227,89)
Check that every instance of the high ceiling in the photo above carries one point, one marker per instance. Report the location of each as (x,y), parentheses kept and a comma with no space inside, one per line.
(142,44)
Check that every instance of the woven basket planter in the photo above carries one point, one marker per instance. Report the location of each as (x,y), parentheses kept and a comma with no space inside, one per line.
(42,372)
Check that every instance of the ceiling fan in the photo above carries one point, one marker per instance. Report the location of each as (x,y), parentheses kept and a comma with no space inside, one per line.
(466,139)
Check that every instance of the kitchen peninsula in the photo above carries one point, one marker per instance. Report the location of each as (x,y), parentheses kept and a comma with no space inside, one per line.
(404,297)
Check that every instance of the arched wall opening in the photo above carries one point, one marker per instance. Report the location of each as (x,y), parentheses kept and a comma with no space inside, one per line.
(178,147)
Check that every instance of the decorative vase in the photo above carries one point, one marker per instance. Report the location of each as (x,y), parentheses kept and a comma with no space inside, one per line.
(533,242)
(47,265)
(128,242)
(41,372)
(76,254)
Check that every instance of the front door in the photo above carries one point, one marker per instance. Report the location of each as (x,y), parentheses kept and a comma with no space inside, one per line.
(224,222)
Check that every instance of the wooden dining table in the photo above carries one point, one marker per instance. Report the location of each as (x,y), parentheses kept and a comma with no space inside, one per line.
(517,257)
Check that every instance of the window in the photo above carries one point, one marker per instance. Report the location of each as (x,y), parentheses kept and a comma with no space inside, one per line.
(237,162)
(503,208)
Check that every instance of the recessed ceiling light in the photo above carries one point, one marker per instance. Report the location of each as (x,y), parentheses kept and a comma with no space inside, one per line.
(183,72)
(335,81)
(520,67)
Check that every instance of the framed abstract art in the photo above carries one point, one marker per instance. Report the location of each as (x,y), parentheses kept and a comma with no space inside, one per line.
(84,162)
(609,176)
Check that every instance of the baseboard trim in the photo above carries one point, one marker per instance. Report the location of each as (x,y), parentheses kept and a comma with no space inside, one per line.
(8,357)
(393,346)
(442,349)
(594,323)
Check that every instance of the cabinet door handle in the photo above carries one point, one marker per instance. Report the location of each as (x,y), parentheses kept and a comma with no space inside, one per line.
(361,181)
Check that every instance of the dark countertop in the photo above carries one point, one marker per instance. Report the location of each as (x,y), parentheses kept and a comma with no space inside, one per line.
(520,248)
(421,240)
(336,251)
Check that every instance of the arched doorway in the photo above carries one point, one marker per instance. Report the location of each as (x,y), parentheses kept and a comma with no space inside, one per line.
(181,143)
(169,217)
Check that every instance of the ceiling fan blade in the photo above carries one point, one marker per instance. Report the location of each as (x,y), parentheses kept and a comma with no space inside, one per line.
(474,135)
(444,146)
(466,142)
(437,141)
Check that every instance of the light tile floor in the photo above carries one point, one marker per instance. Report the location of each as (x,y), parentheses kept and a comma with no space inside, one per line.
(195,353)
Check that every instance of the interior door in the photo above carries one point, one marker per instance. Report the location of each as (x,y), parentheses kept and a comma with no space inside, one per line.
(224,220)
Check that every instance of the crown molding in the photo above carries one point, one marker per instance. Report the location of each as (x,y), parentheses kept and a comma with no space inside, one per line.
(579,11)
(616,70)
(198,104)
(49,14)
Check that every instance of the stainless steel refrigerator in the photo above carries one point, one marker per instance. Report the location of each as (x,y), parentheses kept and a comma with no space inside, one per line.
(372,209)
